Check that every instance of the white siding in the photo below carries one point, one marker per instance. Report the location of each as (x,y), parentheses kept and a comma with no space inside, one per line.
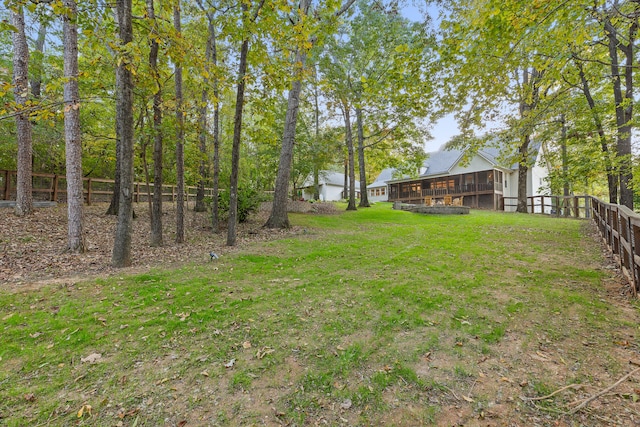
(476,164)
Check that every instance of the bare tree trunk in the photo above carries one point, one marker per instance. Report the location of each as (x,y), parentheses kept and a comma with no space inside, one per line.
(156,211)
(352,169)
(278,217)
(73,141)
(179,137)
(345,185)
(237,133)
(523,168)
(24,196)
(364,198)
(624,107)
(36,81)
(124,119)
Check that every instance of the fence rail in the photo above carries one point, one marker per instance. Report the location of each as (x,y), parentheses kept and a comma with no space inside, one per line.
(619,226)
(567,206)
(54,188)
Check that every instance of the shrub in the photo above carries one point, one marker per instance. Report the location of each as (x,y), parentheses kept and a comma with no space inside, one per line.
(248,202)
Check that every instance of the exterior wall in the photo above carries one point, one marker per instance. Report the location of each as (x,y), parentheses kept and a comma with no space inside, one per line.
(328,193)
(477,164)
(378,193)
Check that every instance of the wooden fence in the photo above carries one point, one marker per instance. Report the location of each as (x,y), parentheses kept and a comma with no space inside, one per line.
(54,188)
(619,226)
(560,206)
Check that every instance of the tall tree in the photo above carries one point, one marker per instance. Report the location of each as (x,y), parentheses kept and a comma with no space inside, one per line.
(623,42)
(179,134)
(278,217)
(73,141)
(24,196)
(237,122)
(154,46)
(124,120)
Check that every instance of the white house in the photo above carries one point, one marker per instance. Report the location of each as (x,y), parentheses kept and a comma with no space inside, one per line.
(331,187)
(482,182)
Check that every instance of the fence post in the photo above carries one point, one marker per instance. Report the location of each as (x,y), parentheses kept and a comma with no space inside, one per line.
(136,194)
(7,185)
(54,188)
(89,191)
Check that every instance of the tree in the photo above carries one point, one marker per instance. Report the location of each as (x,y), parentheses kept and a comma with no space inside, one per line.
(278,217)
(124,121)
(179,135)
(73,141)
(24,197)
(623,99)
(156,211)
(237,124)
(381,63)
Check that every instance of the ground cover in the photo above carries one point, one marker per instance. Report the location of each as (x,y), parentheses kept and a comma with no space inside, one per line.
(374,317)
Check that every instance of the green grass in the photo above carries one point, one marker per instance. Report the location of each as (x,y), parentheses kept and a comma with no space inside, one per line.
(372,307)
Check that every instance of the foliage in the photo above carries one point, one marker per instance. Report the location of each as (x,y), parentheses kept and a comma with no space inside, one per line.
(249,200)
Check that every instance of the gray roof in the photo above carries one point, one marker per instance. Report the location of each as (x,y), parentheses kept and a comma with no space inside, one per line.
(385,175)
(329,178)
(441,162)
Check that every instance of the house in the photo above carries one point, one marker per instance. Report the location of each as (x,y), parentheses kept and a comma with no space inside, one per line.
(331,187)
(377,191)
(482,182)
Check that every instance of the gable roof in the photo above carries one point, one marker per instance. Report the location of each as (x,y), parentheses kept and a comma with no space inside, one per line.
(329,178)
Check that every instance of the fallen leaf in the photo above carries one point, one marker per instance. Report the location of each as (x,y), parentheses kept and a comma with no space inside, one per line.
(263,352)
(92,358)
(467,398)
(246,345)
(85,408)
(230,363)
(204,373)
(29,397)
(35,334)
(346,404)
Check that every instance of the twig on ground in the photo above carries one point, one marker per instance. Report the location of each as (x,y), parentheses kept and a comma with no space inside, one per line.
(531,399)
(600,393)
(452,392)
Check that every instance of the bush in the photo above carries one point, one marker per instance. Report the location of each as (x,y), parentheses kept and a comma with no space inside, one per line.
(248,202)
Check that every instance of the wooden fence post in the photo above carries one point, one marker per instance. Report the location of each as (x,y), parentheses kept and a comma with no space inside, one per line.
(89,191)
(7,185)
(54,188)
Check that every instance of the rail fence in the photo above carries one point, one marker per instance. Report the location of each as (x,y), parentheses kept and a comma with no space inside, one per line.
(560,206)
(51,187)
(619,226)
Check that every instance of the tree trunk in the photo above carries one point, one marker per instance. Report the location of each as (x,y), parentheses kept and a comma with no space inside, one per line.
(24,196)
(523,168)
(124,119)
(156,211)
(73,141)
(179,137)
(624,109)
(352,169)
(235,150)
(36,81)
(345,184)
(364,198)
(278,217)
(612,179)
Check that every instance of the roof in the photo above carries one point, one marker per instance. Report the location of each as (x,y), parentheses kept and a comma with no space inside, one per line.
(443,161)
(385,175)
(329,178)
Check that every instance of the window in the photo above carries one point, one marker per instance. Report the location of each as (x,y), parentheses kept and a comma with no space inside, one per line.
(377,191)
(382,191)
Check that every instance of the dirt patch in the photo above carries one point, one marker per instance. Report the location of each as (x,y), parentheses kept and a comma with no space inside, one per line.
(32,248)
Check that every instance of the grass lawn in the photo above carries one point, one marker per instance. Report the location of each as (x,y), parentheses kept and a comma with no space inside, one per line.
(374,317)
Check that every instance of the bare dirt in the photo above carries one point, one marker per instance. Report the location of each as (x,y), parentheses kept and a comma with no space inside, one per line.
(32,249)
